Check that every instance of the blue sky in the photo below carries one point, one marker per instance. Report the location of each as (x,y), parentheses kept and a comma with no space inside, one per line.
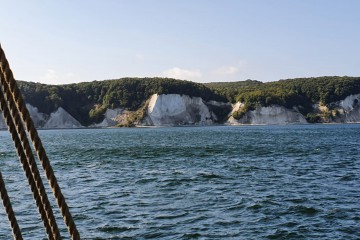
(67,41)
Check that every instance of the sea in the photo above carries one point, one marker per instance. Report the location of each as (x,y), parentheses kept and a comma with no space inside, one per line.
(218,182)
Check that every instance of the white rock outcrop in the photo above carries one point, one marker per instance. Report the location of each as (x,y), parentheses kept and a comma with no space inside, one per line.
(272,115)
(61,119)
(58,119)
(350,109)
(175,109)
(38,118)
(350,102)
(110,118)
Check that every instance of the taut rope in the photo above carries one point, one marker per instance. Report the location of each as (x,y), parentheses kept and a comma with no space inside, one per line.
(25,159)
(30,168)
(17,118)
(9,210)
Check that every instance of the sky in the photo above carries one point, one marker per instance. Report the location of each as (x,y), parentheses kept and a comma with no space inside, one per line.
(69,41)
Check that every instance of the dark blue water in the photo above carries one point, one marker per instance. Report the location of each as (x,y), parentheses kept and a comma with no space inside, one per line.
(253,182)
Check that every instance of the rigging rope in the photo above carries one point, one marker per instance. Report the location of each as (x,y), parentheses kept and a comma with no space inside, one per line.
(13,107)
(9,210)
(30,168)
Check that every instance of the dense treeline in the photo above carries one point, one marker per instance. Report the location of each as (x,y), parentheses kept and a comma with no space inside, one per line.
(230,90)
(88,101)
(300,92)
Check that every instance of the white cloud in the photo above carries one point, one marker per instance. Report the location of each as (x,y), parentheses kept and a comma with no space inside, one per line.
(230,70)
(51,77)
(184,74)
(70,75)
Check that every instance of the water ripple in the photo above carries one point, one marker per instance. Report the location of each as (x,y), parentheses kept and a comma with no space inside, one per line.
(258,182)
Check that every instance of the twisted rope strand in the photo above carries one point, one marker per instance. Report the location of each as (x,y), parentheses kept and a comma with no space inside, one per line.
(8,208)
(29,166)
(25,116)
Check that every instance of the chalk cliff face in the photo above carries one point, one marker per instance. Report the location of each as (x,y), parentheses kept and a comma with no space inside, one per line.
(346,111)
(111,118)
(162,110)
(175,109)
(58,119)
(61,119)
(276,115)
(38,118)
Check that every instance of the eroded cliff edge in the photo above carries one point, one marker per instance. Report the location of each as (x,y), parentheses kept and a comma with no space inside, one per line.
(175,109)
(181,110)
(170,102)
(159,110)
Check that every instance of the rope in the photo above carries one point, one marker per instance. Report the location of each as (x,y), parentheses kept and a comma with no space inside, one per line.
(16,100)
(8,208)
(31,171)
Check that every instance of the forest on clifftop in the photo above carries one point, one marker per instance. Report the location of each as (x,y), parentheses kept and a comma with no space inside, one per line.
(88,101)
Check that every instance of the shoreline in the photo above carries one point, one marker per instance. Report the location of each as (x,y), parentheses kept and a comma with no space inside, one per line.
(194,126)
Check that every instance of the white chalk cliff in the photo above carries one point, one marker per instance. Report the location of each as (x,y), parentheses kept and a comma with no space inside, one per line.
(344,111)
(38,118)
(58,119)
(349,109)
(61,119)
(175,109)
(276,115)
(110,118)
